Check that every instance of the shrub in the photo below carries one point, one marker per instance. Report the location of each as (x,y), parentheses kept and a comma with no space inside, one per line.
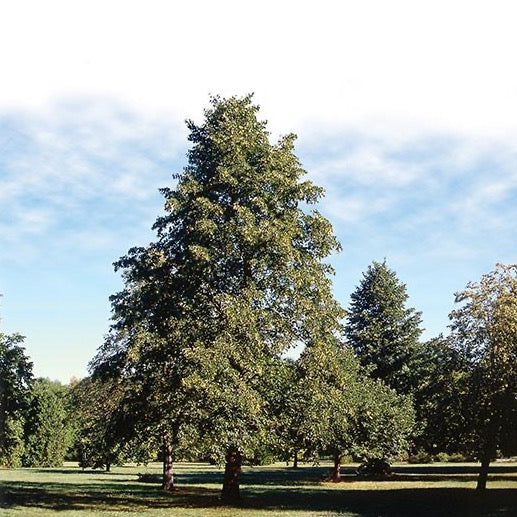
(455,457)
(458,458)
(421,457)
(442,457)
(374,467)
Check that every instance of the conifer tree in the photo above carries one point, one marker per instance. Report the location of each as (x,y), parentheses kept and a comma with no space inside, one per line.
(383,331)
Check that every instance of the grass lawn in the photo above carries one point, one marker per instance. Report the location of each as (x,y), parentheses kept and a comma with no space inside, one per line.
(417,490)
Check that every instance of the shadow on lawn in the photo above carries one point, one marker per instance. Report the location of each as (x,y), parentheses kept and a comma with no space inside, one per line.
(101,496)
(134,497)
(257,476)
(306,475)
(462,473)
(311,475)
(75,471)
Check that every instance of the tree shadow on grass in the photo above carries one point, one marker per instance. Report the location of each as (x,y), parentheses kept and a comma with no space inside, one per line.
(137,497)
(457,502)
(256,476)
(314,475)
(446,473)
(77,471)
(101,496)
(249,476)
(452,469)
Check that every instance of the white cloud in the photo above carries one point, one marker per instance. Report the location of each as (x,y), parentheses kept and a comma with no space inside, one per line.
(81,178)
(355,208)
(368,163)
(446,197)
(26,222)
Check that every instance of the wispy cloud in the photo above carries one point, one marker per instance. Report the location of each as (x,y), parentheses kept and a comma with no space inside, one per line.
(441,194)
(405,112)
(90,168)
(369,163)
(88,172)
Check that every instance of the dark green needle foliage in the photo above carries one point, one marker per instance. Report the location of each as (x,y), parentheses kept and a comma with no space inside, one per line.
(383,331)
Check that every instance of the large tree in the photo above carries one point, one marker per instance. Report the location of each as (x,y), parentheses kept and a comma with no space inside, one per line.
(484,333)
(15,385)
(236,276)
(383,331)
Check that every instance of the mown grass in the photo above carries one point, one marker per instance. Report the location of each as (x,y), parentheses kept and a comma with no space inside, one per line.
(416,490)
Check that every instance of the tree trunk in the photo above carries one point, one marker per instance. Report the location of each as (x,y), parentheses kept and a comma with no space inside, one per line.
(483,473)
(295,460)
(231,492)
(336,471)
(108,466)
(168,478)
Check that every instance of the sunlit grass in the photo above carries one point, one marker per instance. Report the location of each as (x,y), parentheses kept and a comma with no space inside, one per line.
(416,490)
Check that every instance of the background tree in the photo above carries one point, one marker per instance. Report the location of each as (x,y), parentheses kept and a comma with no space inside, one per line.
(15,386)
(235,278)
(327,382)
(348,413)
(484,332)
(49,426)
(441,399)
(99,418)
(289,407)
(383,332)
(383,426)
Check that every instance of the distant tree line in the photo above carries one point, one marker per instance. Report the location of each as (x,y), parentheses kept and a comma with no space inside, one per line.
(195,365)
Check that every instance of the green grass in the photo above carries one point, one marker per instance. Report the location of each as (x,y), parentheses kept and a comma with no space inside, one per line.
(417,490)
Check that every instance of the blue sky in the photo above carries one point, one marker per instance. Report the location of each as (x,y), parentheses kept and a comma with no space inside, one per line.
(405,113)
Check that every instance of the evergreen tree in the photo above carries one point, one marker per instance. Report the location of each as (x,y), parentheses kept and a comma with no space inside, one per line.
(236,276)
(383,332)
